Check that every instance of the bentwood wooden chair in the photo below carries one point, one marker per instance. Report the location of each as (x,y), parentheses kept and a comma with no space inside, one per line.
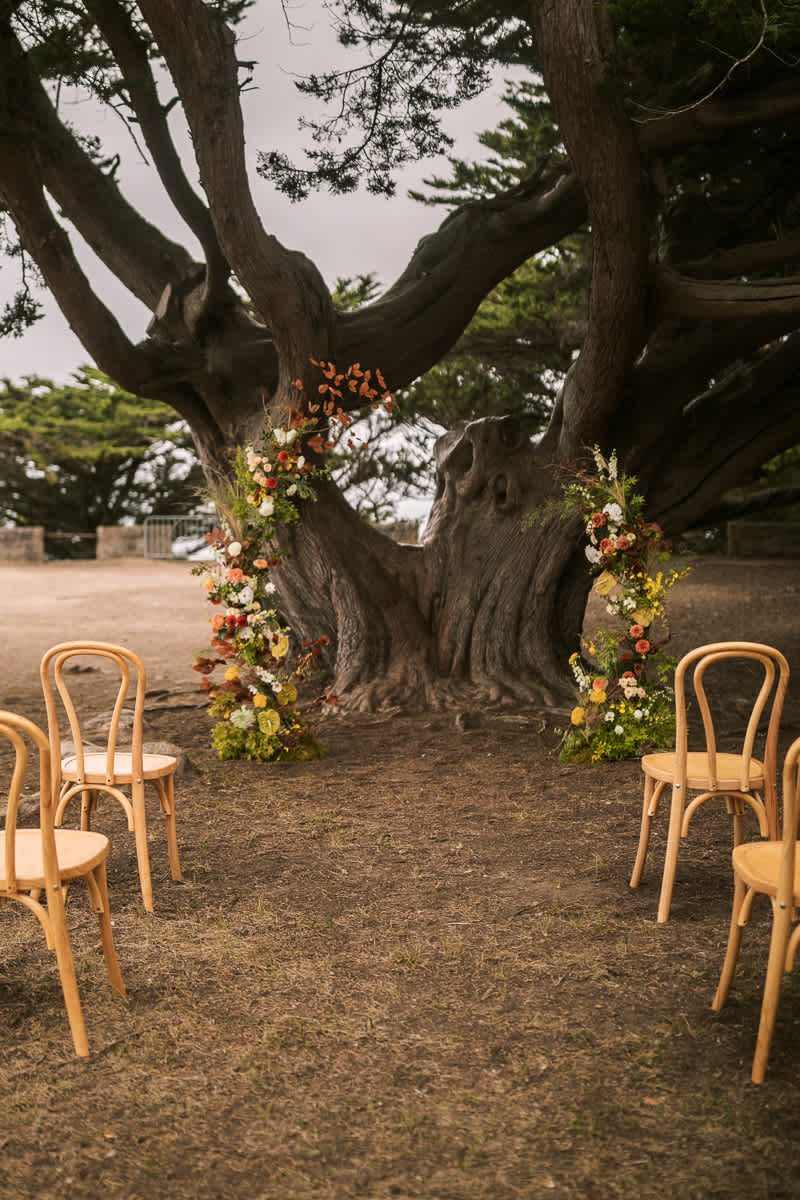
(44,860)
(88,773)
(769,869)
(744,781)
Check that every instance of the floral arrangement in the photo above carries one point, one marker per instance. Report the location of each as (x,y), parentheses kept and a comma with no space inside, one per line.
(625,702)
(256,700)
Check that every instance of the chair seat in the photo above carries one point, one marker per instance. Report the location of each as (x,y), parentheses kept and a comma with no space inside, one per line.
(662,767)
(155,766)
(758,865)
(77,852)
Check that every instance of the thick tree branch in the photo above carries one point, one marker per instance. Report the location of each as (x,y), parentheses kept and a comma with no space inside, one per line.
(284,285)
(754,258)
(130,53)
(723,436)
(133,249)
(574,44)
(773,304)
(716,118)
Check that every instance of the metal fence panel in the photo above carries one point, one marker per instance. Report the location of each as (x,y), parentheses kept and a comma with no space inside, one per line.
(175,537)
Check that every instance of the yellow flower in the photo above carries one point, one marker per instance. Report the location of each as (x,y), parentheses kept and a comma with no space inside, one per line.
(269,722)
(598,698)
(287,694)
(259,700)
(280,647)
(574,657)
(577,716)
(231,674)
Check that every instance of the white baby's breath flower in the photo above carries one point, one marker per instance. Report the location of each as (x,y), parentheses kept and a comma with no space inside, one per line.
(269,588)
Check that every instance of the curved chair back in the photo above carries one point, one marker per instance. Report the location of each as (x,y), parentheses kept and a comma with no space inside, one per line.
(702,657)
(130,667)
(19,730)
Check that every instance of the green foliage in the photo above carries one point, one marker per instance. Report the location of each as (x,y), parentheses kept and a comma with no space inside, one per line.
(416,62)
(84,454)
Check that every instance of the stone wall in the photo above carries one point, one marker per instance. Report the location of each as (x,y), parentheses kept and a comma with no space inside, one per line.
(22,543)
(763,539)
(120,541)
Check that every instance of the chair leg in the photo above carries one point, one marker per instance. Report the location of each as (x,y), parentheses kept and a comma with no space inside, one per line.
(732,952)
(142,852)
(88,803)
(66,969)
(98,892)
(671,857)
(167,795)
(781,922)
(649,802)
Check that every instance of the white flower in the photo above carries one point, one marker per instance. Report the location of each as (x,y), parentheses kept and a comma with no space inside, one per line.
(609,715)
(301,462)
(618,730)
(245,633)
(612,465)
(592,554)
(284,437)
(243,718)
(235,549)
(245,595)
(638,714)
(290,491)
(252,458)
(613,512)
(269,587)
(266,508)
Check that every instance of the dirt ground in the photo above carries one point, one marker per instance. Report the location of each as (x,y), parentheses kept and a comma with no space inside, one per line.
(414,968)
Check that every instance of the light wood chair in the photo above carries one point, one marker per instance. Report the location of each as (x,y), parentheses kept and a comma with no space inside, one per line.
(742,779)
(33,861)
(86,773)
(770,869)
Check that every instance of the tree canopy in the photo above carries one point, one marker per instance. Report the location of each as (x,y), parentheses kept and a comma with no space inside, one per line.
(78,455)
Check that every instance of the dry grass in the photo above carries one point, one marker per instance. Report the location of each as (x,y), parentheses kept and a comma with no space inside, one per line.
(413,969)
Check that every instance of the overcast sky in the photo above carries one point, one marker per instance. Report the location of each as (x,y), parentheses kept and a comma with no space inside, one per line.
(343,235)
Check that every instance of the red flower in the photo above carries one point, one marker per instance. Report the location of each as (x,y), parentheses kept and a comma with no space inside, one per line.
(271,482)
(626,656)
(598,519)
(642,646)
(283,456)
(636,631)
(628,674)
(607,546)
(622,542)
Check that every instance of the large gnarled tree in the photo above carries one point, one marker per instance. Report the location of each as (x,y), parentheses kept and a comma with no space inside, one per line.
(677,152)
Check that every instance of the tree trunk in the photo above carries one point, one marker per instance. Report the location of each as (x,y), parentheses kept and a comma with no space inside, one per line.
(485,609)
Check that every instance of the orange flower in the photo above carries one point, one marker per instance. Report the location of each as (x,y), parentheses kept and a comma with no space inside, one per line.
(636,631)
(642,646)
(261,563)
(600,685)
(235,575)
(218,621)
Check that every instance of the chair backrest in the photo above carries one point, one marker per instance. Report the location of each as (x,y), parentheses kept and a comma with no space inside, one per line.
(791,813)
(19,731)
(702,657)
(130,667)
